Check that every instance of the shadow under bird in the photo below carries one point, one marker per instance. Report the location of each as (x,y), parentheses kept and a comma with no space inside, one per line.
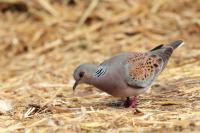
(127,74)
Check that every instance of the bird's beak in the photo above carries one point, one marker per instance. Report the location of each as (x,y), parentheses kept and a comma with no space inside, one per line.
(75,84)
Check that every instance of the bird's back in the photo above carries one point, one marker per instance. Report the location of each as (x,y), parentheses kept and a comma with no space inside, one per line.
(144,68)
(128,73)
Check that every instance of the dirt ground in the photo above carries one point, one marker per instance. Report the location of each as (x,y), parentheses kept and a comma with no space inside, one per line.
(42,41)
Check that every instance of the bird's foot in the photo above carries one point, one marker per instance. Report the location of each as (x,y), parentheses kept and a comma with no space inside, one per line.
(131,102)
(127,103)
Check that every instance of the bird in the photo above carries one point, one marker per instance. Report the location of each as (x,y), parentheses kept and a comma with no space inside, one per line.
(127,74)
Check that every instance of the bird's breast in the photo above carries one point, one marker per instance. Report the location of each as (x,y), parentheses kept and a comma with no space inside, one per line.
(116,86)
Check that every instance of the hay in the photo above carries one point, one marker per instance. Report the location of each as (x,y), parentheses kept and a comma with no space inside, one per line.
(41,42)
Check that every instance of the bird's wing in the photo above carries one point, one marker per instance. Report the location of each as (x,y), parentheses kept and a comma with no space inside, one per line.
(157,47)
(142,69)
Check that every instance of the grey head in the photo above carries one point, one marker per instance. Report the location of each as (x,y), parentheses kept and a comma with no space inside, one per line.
(83,74)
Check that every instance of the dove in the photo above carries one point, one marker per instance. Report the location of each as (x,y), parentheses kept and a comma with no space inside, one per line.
(127,74)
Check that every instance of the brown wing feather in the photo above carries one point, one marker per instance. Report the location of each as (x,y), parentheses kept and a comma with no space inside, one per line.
(143,69)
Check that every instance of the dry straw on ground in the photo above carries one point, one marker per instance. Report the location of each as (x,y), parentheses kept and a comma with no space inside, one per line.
(42,41)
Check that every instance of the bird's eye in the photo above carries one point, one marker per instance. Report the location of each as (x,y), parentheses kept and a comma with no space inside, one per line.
(81,74)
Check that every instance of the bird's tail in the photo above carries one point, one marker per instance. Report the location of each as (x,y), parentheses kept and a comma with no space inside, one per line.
(165,51)
(172,45)
(176,44)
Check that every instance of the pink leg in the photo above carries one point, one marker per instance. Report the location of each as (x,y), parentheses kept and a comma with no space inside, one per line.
(134,102)
(131,102)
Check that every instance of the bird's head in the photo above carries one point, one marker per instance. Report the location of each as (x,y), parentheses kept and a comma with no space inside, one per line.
(83,74)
